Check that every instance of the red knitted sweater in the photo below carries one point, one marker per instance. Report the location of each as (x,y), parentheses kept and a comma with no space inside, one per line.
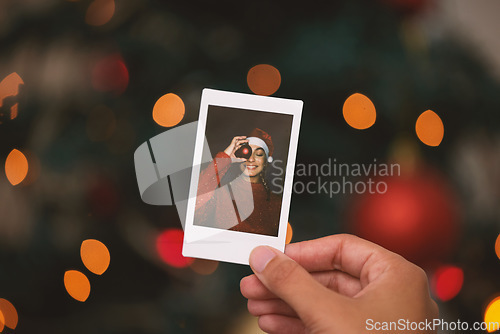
(230,206)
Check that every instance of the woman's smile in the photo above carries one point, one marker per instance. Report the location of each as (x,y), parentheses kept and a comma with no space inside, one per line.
(254,164)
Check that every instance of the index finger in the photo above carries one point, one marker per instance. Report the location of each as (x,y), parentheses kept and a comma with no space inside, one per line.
(357,257)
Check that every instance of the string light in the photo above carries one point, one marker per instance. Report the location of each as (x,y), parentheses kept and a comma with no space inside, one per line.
(16,167)
(95,256)
(492,315)
(169,110)
(169,248)
(10,87)
(100,12)
(77,285)
(447,282)
(359,111)
(289,233)
(9,314)
(264,79)
(429,128)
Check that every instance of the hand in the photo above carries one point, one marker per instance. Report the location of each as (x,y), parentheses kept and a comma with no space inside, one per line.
(335,284)
(234,146)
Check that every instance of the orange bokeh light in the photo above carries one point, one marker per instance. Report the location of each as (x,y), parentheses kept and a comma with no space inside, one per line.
(168,110)
(9,314)
(429,128)
(492,315)
(100,12)
(204,267)
(77,285)
(16,167)
(497,246)
(95,256)
(447,282)
(10,87)
(169,248)
(289,233)
(264,79)
(359,111)
(13,111)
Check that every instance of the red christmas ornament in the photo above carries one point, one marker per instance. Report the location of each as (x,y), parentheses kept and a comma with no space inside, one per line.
(417,217)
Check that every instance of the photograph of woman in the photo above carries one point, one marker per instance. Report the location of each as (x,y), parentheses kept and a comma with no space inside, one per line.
(233,192)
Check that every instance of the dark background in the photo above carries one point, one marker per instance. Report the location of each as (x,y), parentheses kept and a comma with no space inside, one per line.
(80,137)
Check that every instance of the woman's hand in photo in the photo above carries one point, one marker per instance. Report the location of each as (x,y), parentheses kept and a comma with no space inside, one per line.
(234,146)
(337,284)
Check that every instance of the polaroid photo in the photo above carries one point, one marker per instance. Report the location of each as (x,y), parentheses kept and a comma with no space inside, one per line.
(241,198)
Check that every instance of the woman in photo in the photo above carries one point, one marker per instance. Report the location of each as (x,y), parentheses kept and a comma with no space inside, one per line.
(243,203)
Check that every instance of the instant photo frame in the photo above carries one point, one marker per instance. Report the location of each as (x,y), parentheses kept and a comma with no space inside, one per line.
(227,245)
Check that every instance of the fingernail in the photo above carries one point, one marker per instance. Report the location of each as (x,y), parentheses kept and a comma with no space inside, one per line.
(260,257)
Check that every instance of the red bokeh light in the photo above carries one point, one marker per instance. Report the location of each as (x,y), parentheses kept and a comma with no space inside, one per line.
(169,248)
(416,217)
(245,151)
(110,74)
(447,282)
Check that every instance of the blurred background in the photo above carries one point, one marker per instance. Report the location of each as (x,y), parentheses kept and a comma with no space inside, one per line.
(79,80)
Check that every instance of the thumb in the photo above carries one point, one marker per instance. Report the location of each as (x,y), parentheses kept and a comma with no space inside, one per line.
(293,284)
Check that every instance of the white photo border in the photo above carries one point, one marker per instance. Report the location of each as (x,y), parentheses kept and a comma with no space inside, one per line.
(234,246)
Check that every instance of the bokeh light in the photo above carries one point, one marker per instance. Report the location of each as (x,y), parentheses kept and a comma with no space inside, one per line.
(9,314)
(169,248)
(16,167)
(110,74)
(10,87)
(204,267)
(359,111)
(289,233)
(77,285)
(264,79)
(492,315)
(497,246)
(417,216)
(447,282)
(429,128)
(100,12)
(95,256)
(168,110)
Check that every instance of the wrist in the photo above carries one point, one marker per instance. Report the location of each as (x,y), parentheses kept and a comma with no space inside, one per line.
(222,154)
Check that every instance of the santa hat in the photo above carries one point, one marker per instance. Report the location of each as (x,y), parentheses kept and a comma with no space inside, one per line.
(262,139)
